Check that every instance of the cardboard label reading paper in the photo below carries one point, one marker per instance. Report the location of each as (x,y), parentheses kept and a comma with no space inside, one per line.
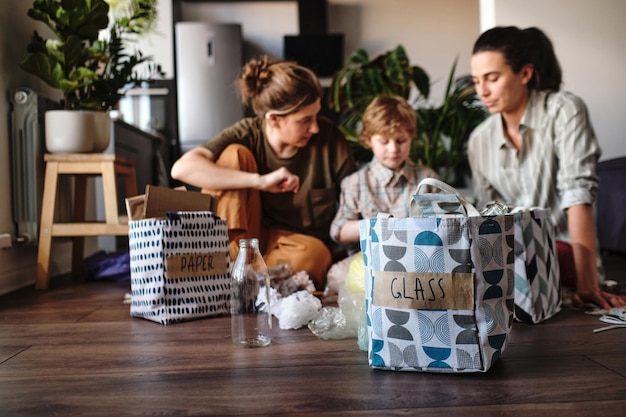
(424,290)
(189,265)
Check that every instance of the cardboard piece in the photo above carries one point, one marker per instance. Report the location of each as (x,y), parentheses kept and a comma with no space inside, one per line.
(157,201)
(135,207)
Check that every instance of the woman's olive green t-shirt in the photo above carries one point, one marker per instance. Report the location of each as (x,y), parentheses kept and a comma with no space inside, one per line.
(321,166)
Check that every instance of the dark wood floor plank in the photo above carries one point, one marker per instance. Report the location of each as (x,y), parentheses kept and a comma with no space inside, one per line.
(616,363)
(578,409)
(7,352)
(185,371)
(306,389)
(568,333)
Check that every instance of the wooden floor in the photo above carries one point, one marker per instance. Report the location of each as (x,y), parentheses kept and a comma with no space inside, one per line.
(75,351)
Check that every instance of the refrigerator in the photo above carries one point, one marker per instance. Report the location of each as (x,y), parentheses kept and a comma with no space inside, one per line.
(209,58)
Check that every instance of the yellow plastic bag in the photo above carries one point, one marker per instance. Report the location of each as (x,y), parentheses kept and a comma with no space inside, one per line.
(355,278)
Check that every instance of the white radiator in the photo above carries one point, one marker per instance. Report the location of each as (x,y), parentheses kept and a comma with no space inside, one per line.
(27,165)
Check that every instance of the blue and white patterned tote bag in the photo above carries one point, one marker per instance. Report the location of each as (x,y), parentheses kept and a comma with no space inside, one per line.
(439,291)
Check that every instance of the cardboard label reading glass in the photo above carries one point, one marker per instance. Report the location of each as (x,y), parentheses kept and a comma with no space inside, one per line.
(424,290)
(189,265)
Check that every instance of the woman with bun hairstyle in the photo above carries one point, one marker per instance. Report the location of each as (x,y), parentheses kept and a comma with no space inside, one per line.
(277,175)
(538,148)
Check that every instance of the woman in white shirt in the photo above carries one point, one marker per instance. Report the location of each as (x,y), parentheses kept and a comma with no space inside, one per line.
(538,149)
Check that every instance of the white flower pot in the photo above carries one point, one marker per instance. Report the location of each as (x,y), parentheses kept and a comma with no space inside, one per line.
(77,131)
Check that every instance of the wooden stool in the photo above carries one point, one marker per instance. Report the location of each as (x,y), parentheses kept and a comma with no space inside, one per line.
(81,166)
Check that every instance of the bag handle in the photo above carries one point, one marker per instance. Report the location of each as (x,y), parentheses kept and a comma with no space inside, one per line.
(436,183)
(519,209)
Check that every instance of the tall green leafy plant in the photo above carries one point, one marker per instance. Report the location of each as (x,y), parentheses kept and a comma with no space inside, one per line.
(443,130)
(355,86)
(90,70)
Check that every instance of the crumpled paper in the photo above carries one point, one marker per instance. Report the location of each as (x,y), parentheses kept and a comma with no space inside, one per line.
(296,310)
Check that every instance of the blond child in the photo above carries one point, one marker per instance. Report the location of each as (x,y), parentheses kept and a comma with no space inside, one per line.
(386,183)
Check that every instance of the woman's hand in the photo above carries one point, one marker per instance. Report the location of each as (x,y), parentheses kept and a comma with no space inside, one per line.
(583,233)
(280,181)
(600,298)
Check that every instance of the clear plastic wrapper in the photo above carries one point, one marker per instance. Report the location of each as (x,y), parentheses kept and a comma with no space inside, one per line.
(346,320)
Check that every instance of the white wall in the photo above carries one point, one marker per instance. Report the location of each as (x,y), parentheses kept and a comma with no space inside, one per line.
(158,44)
(433,32)
(590,41)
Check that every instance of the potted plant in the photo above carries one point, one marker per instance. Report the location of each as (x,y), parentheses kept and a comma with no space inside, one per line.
(90,63)
(443,130)
(353,87)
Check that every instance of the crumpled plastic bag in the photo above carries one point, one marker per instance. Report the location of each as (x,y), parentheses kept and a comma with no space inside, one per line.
(355,284)
(332,323)
(355,277)
(337,274)
(345,321)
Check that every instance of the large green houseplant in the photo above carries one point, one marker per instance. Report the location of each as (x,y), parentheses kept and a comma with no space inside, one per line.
(90,60)
(354,86)
(442,131)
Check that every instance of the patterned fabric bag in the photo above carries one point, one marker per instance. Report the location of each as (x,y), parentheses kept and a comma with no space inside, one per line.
(537,279)
(180,267)
(439,290)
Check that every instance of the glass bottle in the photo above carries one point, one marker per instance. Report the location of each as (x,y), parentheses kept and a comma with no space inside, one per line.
(251,316)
